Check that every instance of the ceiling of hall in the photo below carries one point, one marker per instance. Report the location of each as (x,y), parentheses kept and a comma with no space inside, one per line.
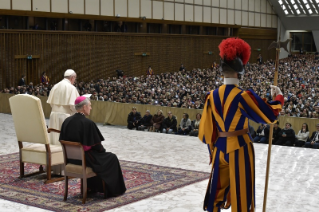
(297,14)
(299,7)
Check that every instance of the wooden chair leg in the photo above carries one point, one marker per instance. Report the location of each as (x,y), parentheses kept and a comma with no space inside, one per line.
(84,190)
(21,169)
(48,172)
(104,189)
(66,186)
(82,186)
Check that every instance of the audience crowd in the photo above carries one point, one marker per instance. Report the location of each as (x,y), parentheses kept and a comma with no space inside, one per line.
(298,79)
(287,136)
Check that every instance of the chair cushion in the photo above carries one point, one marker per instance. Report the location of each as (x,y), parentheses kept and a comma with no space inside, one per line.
(77,169)
(41,148)
(36,153)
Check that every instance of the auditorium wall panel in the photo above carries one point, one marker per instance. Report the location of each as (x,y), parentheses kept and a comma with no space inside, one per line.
(238,17)
(168,11)
(5,4)
(244,18)
(179,12)
(107,7)
(134,8)
(251,19)
(251,5)
(76,6)
(60,6)
(257,5)
(269,20)
(263,6)
(231,4)
(274,21)
(230,17)
(121,7)
(238,4)
(92,7)
(207,2)
(189,12)
(41,5)
(98,55)
(198,11)
(146,8)
(158,8)
(215,15)
(223,4)
(244,5)
(257,19)
(269,10)
(207,14)
(128,10)
(21,4)
(215,3)
(223,16)
(263,20)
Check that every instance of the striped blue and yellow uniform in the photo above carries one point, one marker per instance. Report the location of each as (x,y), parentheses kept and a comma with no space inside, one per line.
(228,109)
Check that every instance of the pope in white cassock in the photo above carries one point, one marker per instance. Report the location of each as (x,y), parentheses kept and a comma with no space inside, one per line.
(62,97)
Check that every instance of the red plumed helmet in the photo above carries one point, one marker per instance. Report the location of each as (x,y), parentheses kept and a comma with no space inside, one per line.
(231,48)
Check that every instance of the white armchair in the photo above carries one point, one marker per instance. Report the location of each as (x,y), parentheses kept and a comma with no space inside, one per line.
(30,126)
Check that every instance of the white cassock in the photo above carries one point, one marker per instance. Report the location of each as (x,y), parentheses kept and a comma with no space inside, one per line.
(62,97)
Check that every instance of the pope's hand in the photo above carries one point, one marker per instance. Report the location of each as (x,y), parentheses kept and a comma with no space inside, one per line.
(275,90)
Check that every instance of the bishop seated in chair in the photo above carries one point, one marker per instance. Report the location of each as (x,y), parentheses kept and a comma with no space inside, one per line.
(78,128)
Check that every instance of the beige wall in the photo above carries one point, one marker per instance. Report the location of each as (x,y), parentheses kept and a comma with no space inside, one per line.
(5,4)
(92,7)
(21,4)
(253,13)
(59,6)
(41,5)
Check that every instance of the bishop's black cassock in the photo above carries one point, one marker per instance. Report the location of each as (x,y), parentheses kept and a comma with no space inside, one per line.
(77,128)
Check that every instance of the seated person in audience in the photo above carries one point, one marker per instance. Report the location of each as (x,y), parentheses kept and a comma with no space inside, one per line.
(149,71)
(45,79)
(185,125)
(314,140)
(252,131)
(302,135)
(286,136)
(262,134)
(133,119)
(146,121)
(195,125)
(182,68)
(157,119)
(276,131)
(170,123)
(78,128)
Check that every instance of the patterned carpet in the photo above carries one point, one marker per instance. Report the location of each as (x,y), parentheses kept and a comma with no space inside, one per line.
(142,181)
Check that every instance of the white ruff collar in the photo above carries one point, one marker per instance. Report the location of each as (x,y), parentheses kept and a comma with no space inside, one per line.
(231,81)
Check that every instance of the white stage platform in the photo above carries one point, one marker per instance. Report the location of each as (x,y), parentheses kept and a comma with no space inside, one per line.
(293,184)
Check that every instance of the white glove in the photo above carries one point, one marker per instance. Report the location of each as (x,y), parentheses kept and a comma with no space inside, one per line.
(275,90)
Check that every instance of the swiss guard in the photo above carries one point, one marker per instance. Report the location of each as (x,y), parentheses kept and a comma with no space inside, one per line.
(224,128)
